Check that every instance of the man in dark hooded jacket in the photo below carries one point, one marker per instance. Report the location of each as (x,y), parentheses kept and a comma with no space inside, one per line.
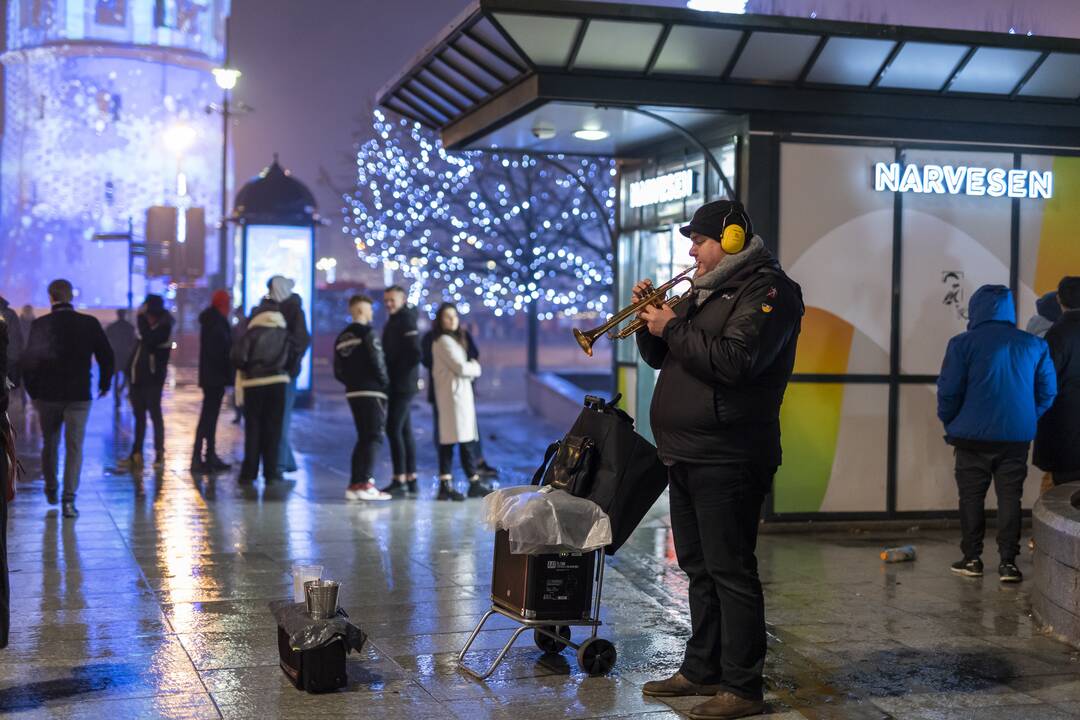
(215,374)
(147,370)
(1057,444)
(725,357)
(14,340)
(996,382)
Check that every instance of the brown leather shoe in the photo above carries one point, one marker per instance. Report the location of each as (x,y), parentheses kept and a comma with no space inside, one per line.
(677,686)
(726,706)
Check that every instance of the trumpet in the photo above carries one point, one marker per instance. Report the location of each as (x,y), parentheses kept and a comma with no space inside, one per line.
(587,338)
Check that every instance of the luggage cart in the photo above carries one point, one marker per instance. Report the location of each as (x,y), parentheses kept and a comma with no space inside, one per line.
(595,656)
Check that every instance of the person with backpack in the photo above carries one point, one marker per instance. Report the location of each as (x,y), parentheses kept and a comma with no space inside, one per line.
(262,359)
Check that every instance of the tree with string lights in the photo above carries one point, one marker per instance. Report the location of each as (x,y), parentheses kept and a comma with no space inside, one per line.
(505,232)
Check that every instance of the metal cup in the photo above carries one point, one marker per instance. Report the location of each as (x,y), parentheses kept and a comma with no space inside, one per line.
(322,598)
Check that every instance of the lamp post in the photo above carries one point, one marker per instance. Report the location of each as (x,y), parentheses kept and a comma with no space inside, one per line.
(226,78)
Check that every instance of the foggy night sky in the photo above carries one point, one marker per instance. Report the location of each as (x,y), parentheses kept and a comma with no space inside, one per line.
(311,70)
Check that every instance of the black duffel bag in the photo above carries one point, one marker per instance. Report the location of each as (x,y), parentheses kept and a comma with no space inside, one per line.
(604,460)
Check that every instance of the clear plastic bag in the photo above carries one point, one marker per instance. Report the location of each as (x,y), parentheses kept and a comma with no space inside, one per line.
(545,520)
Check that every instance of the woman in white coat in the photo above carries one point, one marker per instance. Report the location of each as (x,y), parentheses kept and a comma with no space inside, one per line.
(453,374)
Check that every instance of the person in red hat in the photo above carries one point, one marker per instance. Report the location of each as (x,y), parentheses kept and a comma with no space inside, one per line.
(215,374)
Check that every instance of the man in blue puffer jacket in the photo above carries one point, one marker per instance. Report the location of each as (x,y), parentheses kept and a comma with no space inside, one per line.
(995,383)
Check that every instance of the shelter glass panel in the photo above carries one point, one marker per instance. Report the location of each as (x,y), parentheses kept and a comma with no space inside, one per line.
(1058,76)
(850,61)
(923,66)
(952,244)
(1048,226)
(835,442)
(546,40)
(775,56)
(697,51)
(617,45)
(836,242)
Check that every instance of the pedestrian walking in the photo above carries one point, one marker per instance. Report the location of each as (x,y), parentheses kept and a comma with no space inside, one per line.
(289,304)
(26,319)
(1047,312)
(8,466)
(122,340)
(360,366)
(56,369)
(725,358)
(452,374)
(401,344)
(262,358)
(1057,442)
(215,374)
(15,341)
(147,370)
(996,382)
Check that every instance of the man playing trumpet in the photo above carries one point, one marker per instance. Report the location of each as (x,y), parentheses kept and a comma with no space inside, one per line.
(725,357)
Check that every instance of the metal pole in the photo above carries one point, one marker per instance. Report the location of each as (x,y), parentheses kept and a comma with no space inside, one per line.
(223,231)
(131,263)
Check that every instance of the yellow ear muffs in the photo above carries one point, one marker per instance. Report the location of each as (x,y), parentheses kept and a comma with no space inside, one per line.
(733,240)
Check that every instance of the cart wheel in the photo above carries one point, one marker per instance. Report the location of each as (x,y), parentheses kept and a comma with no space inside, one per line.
(549,644)
(596,656)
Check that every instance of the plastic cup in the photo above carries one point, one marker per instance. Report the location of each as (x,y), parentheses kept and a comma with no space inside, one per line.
(302,574)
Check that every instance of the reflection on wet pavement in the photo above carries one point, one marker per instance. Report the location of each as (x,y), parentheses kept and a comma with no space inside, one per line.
(153,603)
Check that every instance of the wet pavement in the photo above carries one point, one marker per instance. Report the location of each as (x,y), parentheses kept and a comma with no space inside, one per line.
(153,602)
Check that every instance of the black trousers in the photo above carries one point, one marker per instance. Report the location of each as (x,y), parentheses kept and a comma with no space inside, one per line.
(5,587)
(264,413)
(465,452)
(1007,467)
(369,414)
(715,511)
(1060,478)
(206,431)
(400,435)
(147,399)
(476,447)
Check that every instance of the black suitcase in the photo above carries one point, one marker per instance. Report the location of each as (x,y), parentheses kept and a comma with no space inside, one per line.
(316,671)
(557,586)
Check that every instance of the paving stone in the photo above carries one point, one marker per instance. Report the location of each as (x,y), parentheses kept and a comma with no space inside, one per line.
(154,602)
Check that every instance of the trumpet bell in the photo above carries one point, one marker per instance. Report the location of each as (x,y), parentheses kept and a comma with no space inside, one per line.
(585,341)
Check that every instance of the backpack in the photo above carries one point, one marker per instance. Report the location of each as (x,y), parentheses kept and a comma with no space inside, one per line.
(603,459)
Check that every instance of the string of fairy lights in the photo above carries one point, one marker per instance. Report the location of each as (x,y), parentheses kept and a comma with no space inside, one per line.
(506,232)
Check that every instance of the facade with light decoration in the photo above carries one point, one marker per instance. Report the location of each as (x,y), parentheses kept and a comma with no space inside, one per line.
(105,117)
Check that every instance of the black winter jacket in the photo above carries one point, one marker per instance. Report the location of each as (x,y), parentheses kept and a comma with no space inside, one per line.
(1057,443)
(296,323)
(149,362)
(56,360)
(401,344)
(359,363)
(724,366)
(215,342)
(427,357)
(265,349)
(15,340)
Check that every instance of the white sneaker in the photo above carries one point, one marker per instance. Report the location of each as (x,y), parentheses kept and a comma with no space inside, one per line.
(366,493)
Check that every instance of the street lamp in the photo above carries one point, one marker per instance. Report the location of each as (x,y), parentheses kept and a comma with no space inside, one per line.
(328,265)
(226,77)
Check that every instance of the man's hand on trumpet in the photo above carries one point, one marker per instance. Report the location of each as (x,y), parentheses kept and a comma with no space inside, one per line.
(656,317)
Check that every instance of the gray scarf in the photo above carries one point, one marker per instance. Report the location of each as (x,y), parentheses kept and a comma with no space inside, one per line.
(728,268)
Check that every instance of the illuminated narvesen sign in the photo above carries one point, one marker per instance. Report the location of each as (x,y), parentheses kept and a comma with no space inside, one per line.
(661,189)
(962,180)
